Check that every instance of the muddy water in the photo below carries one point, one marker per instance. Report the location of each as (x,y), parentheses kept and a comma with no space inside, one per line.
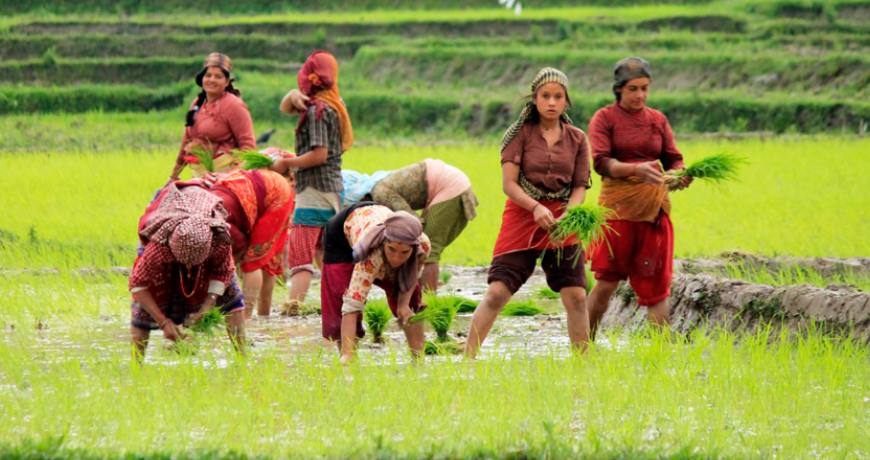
(696,300)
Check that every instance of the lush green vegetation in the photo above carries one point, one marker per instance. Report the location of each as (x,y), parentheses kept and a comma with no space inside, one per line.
(92,101)
(85,209)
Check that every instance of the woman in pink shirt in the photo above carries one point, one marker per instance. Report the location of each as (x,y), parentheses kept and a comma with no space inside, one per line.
(217,122)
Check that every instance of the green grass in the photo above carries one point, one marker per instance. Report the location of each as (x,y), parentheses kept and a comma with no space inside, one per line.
(791,275)
(69,389)
(85,210)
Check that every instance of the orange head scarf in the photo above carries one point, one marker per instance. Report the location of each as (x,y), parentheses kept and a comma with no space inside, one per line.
(318,79)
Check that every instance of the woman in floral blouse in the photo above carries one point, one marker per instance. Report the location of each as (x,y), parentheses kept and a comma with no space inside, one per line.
(365,245)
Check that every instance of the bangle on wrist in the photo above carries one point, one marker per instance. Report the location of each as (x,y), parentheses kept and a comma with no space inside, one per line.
(535,207)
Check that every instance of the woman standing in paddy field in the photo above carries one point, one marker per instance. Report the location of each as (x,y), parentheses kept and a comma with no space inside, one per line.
(545,169)
(632,146)
(323,134)
(217,122)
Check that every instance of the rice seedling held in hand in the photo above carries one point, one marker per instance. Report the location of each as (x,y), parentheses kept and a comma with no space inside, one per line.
(377,315)
(521,308)
(715,168)
(587,222)
(440,313)
(255,160)
(202,156)
(210,321)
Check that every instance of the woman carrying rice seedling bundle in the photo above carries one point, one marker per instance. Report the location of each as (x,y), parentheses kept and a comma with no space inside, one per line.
(631,145)
(217,123)
(365,245)
(184,268)
(259,204)
(323,134)
(545,168)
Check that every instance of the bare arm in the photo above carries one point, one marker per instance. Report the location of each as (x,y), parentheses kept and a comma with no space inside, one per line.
(315,157)
(170,330)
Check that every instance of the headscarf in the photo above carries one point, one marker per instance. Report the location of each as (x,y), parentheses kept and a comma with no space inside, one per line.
(628,69)
(186,221)
(318,79)
(544,76)
(221,61)
(401,227)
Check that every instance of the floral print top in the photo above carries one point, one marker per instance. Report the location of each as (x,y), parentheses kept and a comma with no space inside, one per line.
(375,267)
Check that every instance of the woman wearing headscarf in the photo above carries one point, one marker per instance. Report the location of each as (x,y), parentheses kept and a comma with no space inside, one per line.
(218,122)
(259,204)
(632,147)
(545,169)
(323,134)
(364,245)
(184,268)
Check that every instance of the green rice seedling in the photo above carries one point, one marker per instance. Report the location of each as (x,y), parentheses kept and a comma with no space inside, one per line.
(444,277)
(587,222)
(522,308)
(440,313)
(254,160)
(715,168)
(210,321)
(377,315)
(442,348)
(204,158)
(547,293)
(464,305)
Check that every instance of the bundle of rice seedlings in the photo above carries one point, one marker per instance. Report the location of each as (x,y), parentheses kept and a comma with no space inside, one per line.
(442,348)
(715,168)
(255,160)
(203,157)
(377,315)
(464,305)
(547,293)
(587,222)
(440,313)
(211,321)
(522,308)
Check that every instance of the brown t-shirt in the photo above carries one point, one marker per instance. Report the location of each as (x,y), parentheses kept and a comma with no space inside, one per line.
(552,169)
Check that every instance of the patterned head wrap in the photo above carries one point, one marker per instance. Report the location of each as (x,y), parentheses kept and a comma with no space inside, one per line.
(544,76)
(190,242)
(318,79)
(401,227)
(628,69)
(221,61)
(186,220)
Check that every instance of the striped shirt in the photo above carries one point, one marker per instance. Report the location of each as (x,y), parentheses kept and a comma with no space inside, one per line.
(631,137)
(323,132)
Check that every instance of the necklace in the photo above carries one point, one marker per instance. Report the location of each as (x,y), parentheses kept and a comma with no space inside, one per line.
(181,277)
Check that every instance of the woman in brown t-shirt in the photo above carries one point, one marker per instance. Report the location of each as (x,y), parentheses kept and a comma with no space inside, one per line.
(217,122)
(545,169)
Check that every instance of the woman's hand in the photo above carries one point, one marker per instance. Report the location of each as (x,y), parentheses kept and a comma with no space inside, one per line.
(171,331)
(403,315)
(649,172)
(681,182)
(543,217)
(294,103)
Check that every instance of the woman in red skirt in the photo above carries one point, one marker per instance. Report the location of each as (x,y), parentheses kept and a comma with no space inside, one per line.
(632,147)
(545,168)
